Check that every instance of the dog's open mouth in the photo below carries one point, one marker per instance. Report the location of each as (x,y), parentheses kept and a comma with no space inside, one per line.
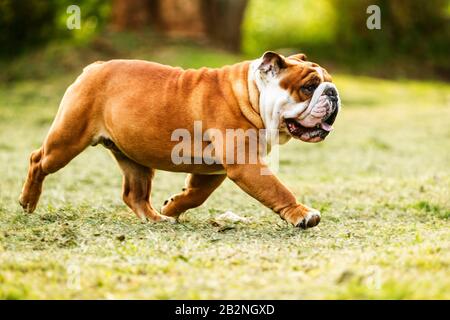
(313,134)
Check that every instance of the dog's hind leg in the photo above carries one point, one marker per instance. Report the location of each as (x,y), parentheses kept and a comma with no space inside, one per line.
(198,188)
(58,149)
(137,185)
(73,129)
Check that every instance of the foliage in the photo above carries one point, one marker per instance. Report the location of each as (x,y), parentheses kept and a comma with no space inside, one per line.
(58,58)
(414,38)
(289,23)
(28,23)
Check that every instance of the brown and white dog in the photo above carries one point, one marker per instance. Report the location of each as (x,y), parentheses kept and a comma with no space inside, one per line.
(132,107)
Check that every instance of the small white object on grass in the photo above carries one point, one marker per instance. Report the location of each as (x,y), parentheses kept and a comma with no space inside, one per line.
(231,216)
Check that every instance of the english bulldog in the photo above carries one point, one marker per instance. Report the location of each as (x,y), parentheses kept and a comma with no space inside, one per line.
(132,107)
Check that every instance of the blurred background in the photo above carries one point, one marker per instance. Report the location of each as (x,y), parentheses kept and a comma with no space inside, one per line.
(413,40)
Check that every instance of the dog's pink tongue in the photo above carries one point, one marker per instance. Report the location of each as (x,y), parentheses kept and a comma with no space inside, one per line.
(325,126)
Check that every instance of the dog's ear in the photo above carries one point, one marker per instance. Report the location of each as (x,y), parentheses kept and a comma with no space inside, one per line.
(272,63)
(299,57)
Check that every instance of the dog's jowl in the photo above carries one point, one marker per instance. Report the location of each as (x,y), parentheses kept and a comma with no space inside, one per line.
(134,108)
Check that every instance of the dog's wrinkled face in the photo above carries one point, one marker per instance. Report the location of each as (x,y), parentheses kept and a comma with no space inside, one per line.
(297,97)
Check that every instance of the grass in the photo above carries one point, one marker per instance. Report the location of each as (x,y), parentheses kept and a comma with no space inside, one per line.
(381,180)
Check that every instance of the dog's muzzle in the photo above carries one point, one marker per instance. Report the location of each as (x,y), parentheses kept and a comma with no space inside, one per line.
(333,97)
(315,122)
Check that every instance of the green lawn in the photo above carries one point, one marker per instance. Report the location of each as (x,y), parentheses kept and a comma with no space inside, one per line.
(381,180)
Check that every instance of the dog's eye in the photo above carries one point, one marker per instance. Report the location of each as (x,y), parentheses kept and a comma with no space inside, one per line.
(309,89)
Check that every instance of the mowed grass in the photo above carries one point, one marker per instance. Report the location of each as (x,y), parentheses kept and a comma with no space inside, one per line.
(381,180)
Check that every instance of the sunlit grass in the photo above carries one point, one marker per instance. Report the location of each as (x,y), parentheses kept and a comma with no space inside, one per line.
(381,180)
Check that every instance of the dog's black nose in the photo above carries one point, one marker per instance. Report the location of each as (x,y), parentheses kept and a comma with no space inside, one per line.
(331,92)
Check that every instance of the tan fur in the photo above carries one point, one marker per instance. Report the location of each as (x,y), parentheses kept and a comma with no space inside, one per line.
(301,73)
(132,107)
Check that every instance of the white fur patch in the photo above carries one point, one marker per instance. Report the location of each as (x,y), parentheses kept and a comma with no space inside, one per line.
(311,213)
(272,99)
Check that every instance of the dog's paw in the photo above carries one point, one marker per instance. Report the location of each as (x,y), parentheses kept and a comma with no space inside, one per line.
(165,206)
(167,219)
(311,219)
(170,208)
(26,204)
(156,218)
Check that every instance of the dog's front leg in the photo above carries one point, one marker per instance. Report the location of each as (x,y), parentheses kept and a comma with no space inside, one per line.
(267,189)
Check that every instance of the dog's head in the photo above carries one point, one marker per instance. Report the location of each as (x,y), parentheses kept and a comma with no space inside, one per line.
(297,97)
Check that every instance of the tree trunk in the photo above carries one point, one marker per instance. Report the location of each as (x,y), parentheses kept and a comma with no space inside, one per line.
(218,21)
(132,14)
(181,18)
(223,20)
